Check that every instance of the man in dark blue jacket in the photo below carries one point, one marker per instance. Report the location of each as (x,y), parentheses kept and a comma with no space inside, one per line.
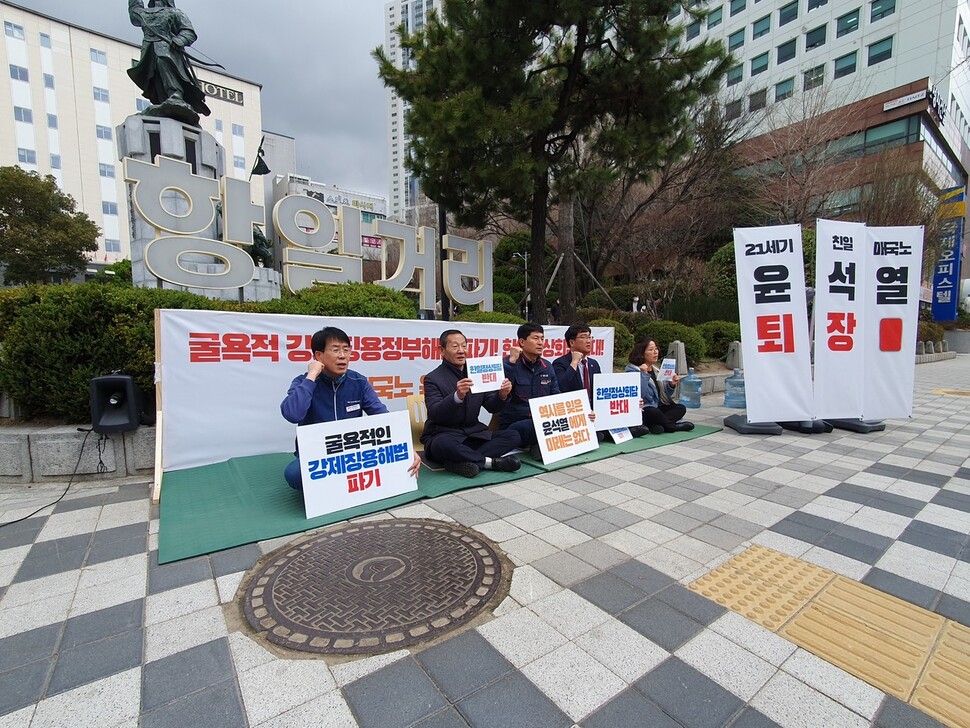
(453,434)
(531,376)
(329,391)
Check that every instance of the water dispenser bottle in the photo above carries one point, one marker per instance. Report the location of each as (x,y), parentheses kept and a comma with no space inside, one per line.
(690,390)
(734,391)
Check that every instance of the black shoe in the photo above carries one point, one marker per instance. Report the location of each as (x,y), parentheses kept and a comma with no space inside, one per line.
(639,431)
(656,429)
(506,464)
(464,469)
(535,453)
(683,427)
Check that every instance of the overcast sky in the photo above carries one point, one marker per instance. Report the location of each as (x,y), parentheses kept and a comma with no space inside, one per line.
(312,58)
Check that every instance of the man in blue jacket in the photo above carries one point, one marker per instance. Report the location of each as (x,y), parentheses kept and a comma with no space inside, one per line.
(531,376)
(329,391)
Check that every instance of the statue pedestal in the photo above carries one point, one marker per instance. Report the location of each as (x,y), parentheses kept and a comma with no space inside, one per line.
(145,137)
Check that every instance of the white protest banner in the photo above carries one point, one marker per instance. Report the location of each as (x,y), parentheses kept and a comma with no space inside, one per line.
(562,426)
(486,374)
(223,374)
(774,323)
(616,400)
(668,368)
(352,462)
(840,295)
(894,257)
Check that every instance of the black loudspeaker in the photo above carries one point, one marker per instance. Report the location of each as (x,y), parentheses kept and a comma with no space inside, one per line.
(115,404)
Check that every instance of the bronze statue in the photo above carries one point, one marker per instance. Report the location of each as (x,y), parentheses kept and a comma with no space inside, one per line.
(164,73)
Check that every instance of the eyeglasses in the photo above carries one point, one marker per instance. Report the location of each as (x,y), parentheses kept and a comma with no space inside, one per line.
(653,348)
(339,350)
(586,336)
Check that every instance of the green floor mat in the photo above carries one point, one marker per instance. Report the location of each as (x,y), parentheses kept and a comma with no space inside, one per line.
(245,500)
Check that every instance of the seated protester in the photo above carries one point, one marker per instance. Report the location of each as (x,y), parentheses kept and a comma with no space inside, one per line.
(531,376)
(329,391)
(660,412)
(453,434)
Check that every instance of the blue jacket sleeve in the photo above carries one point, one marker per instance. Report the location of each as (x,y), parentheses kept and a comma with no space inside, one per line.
(297,402)
(569,379)
(369,401)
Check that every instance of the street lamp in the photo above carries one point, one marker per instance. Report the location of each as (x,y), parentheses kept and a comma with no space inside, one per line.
(525,259)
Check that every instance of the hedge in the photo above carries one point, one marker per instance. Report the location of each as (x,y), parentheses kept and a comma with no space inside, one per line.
(664,332)
(718,335)
(622,340)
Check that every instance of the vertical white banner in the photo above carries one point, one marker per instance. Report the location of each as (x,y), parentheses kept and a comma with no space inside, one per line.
(774,323)
(894,259)
(840,295)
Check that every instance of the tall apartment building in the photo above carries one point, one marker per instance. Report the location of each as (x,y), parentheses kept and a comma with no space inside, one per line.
(896,70)
(64,96)
(406,202)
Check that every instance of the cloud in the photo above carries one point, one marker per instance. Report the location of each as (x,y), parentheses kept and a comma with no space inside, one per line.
(313,60)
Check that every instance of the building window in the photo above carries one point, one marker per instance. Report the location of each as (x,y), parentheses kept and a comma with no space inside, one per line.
(847,23)
(761,27)
(812,4)
(52,121)
(784,89)
(734,75)
(715,17)
(106,170)
(759,64)
(22,114)
(99,57)
(693,30)
(45,40)
(19,73)
(109,208)
(103,132)
(219,125)
(786,51)
(788,13)
(882,8)
(737,6)
(55,161)
(845,65)
(26,156)
(736,40)
(732,110)
(112,246)
(673,12)
(49,80)
(814,77)
(237,130)
(815,38)
(239,162)
(758,100)
(14,31)
(880,51)
(141,104)
(101,94)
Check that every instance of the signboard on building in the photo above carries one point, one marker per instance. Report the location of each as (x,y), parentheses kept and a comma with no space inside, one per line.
(946,271)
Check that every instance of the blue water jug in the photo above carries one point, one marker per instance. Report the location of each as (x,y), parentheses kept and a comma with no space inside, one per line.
(690,390)
(734,391)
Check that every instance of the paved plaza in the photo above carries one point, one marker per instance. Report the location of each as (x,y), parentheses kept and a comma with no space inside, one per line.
(600,629)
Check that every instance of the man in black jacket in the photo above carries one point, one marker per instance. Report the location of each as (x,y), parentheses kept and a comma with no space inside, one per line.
(453,434)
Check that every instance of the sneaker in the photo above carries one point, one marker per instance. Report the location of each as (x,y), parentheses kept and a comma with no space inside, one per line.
(506,464)
(464,469)
(683,427)
(639,431)
(656,429)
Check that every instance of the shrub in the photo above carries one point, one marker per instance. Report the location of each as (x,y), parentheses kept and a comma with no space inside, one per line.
(664,332)
(622,340)
(504,303)
(929,331)
(366,300)
(489,317)
(717,335)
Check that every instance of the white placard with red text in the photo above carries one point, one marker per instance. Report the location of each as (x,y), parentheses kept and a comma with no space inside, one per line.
(353,462)
(562,425)
(224,374)
(616,400)
(774,323)
(893,271)
(486,374)
(840,295)
(668,368)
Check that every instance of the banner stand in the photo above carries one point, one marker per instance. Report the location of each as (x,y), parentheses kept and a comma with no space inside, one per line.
(739,423)
(863,426)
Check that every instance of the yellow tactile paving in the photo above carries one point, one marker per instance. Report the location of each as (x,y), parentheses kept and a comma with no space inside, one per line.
(902,649)
(952,392)
(765,586)
(944,690)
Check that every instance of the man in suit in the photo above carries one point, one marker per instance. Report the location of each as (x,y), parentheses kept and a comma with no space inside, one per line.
(453,434)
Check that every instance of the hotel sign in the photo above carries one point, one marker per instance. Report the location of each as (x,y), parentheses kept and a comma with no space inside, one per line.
(904,100)
(222,93)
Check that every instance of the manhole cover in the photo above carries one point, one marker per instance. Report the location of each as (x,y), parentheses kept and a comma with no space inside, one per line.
(373,587)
